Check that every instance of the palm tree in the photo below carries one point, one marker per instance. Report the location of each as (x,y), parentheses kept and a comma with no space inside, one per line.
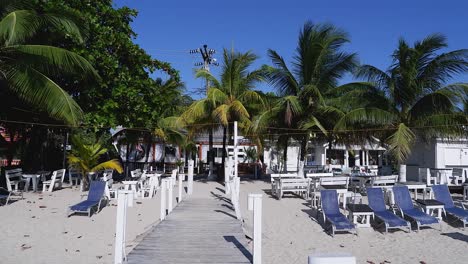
(229,99)
(410,99)
(85,157)
(26,68)
(317,66)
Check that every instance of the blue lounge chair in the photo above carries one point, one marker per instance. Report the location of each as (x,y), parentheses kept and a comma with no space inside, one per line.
(442,195)
(407,209)
(332,214)
(95,197)
(377,204)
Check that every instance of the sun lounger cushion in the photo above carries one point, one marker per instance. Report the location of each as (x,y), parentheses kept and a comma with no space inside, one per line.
(390,218)
(459,212)
(340,222)
(420,216)
(83,206)
(377,204)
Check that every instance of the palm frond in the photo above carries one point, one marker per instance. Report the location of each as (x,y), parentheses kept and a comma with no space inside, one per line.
(111,164)
(280,76)
(368,116)
(37,89)
(400,142)
(52,59)
(18,26)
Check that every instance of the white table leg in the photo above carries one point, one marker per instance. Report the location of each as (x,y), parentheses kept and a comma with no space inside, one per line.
(34,182)
(26,185)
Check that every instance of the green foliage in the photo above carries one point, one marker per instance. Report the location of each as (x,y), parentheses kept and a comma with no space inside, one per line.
(305,89)
(410,99)
(30,71)
(251,154)
(126,94)
(86,158)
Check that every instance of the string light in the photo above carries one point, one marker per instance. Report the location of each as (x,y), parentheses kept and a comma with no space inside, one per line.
(299,131)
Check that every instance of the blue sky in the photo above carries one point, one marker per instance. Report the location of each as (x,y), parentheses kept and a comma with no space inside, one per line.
(169,29)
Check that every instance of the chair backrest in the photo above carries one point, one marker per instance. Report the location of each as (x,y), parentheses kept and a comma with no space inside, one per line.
(340,180)
(376,199)
(423,174)
(14,174)
(319,174)
(384,180)
(329,202)
(403,197)
(74,173)
(174,173)
(458,172)
(442,194)
(96,191)
(60,175)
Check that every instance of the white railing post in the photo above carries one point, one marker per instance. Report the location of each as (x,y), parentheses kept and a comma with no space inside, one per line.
(235,149)
(180,188)
(235,196)
(169,195)
(255,205)
(190,178)
(227,176)
(120,226)
(163,199)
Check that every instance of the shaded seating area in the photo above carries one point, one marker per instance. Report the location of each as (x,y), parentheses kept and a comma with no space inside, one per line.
(94,199)
(405,205)
(388,218)
(442,194)
(331,213)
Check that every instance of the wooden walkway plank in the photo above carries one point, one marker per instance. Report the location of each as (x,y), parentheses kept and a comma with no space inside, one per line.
(201,229)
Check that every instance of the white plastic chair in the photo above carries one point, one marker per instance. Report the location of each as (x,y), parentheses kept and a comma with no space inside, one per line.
(56,179)
(14,178)
(74,176)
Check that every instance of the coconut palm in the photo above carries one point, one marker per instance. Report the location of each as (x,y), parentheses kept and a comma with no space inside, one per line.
(317,66)
(85,157)
(229,98)
(411,100)
(26,68)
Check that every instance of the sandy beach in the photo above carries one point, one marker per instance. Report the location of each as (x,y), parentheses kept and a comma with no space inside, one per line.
(37,230)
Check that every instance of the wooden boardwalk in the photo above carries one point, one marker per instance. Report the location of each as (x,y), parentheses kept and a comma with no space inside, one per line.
(202,229)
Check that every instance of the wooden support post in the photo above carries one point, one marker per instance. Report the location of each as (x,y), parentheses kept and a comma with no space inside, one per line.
(190,178)
(163,199)
(255,205)
(120,226)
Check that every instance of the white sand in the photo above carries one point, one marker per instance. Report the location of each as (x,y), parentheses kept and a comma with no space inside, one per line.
(291,233)
(30,234)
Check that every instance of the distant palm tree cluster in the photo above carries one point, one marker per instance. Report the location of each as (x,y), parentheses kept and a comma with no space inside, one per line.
(411,99)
